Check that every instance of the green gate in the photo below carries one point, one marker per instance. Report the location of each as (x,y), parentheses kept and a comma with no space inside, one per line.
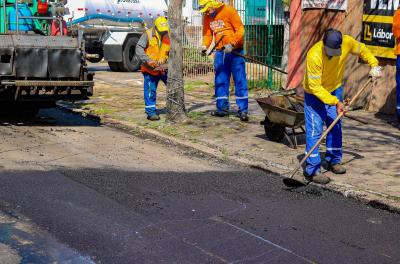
(264,39)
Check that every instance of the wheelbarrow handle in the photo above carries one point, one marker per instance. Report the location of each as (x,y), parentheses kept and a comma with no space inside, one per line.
(300,100)
(329,129)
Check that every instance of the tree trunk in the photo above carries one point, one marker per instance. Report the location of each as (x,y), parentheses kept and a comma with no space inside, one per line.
(175,87)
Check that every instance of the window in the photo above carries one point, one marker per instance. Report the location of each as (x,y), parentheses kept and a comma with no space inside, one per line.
(195,4)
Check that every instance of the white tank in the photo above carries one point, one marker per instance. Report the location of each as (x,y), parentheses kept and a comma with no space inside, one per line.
(109,11)
(112,28)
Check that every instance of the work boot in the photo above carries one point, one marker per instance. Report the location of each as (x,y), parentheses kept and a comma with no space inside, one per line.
(153,117)
(219,113)
(337,168)
(244,117)
(317,178)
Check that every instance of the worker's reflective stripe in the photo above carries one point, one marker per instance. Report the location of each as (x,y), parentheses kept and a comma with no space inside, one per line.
(150,106)
(222,98)
(314,77)
(312,124)
(333,149)
(149,84)
(242,97)
(312,155)
(359,48)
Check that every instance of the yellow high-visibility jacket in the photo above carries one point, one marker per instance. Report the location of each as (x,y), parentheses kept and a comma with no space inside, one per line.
(324,75)
(157,49)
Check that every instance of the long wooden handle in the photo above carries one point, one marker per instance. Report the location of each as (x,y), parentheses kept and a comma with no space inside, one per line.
(329,129)
(259,62)
(215,46)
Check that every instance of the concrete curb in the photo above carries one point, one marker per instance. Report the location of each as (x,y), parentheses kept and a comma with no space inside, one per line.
(368,197)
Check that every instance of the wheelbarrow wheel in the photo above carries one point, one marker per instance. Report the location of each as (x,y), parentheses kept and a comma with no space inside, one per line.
(273,131)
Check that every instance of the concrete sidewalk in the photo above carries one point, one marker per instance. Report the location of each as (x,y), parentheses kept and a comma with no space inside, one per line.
(371,151)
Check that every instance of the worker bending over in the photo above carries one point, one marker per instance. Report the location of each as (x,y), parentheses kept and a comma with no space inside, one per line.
(325,65)
(153,51)
(396,33)
(223,24)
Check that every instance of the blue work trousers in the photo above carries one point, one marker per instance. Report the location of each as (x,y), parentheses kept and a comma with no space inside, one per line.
(398,87)
(227,64)
(316,114)
(150,92)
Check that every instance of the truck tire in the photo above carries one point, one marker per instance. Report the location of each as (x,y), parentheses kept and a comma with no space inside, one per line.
(273,131)
(130,62)
(95,60)
(114,66)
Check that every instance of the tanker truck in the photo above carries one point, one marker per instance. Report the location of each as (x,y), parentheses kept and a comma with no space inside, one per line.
(111,28)
(39,63)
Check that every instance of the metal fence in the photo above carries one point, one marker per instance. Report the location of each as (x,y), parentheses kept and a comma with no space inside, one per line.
(194,64)
(264,37)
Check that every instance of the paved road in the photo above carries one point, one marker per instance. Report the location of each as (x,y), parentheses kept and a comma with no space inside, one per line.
(105,196)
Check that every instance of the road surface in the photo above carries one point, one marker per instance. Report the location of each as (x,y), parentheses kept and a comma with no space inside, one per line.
(74,190)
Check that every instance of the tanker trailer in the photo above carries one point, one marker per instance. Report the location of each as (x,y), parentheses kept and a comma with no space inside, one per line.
(39,64)
(111,28)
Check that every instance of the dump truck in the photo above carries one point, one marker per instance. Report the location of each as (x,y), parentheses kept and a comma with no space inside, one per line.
(111,28)
(39,62)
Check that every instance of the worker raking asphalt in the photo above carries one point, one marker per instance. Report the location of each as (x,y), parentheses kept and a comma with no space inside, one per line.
(323,103)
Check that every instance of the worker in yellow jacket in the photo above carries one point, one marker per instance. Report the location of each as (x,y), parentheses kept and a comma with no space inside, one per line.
(325,66)
(153,51)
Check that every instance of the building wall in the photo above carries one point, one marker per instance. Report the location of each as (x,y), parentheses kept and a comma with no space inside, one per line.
(315,22)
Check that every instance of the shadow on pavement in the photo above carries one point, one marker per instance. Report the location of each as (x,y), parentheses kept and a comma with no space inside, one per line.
(47,117)
(301,139)
(354,156)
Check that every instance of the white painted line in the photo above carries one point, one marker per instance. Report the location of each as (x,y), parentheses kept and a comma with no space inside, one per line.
(262,239)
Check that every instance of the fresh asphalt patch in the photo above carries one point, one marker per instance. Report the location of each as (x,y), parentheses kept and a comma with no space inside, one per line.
(118,216)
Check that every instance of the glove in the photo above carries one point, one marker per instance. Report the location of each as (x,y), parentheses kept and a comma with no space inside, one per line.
(203,51)
(163,68)
(228,48)
(152,64)
(375,72)
(161,61)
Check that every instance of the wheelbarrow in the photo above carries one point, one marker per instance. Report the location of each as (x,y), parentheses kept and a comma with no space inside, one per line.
(283,112)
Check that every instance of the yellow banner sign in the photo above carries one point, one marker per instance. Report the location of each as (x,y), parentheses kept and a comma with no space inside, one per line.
(377,28)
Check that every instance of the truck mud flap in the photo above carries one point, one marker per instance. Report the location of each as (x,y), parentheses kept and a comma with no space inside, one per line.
(31,62)
(64,63)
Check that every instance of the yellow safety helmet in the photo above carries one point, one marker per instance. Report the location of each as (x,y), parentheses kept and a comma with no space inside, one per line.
(161,24)
(204,5)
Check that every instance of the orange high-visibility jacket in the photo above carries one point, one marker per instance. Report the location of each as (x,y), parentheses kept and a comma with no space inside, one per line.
(157,49)
(226,23)
(396,30)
